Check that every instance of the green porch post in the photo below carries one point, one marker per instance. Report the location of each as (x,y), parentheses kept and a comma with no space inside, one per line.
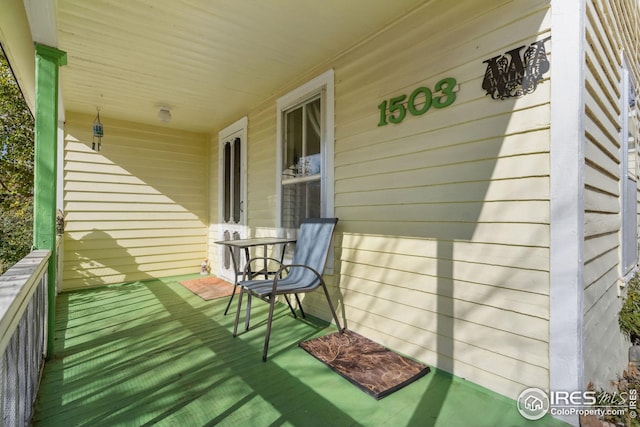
(48,60)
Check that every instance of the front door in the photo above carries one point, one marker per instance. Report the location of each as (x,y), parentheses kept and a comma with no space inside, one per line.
(232,192)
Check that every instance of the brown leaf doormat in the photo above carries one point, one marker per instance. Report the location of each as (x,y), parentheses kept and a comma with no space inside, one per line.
(375,369)
(208,287)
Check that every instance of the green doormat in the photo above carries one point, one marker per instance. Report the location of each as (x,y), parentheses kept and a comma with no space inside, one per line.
(375,369)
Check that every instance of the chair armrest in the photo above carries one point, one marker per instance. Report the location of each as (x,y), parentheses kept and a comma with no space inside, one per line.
(288,267)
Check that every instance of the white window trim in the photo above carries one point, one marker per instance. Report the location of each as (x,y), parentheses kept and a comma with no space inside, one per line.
(323,82)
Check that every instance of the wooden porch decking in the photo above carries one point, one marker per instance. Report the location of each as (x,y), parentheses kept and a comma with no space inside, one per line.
(152,353)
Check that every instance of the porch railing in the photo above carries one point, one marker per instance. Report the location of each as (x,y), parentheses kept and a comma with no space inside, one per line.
(23,329)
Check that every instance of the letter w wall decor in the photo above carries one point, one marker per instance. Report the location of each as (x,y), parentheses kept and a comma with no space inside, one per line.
(514,74)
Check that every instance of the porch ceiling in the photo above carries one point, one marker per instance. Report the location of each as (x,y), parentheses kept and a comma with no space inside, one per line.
(209,60)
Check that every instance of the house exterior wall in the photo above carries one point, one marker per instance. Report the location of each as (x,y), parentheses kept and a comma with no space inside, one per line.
(445,216)
(138,208)
(611,28)
(442,249)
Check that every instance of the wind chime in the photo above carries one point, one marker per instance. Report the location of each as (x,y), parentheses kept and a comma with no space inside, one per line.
(98,132)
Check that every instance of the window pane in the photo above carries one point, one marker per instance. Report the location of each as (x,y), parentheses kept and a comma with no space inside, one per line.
(293,142)
(300,201)
(629,193)
(313,130)
(303,134)
(633,131)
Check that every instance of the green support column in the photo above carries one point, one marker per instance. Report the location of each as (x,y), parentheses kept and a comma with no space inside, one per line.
(48,61)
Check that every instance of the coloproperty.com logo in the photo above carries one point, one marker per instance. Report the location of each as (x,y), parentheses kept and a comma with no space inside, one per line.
(534,403)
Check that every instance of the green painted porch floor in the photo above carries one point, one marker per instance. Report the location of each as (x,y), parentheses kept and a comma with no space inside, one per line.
(153,353)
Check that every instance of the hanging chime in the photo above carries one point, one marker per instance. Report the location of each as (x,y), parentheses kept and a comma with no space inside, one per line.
(98,132)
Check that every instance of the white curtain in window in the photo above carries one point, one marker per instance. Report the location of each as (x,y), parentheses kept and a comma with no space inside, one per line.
(313,112)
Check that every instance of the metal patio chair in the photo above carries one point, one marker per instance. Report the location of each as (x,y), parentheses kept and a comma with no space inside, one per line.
(304,274)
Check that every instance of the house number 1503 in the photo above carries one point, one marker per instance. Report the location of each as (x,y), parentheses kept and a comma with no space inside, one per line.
(421,99)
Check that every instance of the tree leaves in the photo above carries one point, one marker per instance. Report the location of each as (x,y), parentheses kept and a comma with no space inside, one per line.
(16,170)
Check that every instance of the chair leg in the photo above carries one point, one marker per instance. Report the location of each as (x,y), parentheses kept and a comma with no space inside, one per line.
(230,299)
(333,311)
(272,303)
(247,315)
(235,324)
(300,306)
(290,306)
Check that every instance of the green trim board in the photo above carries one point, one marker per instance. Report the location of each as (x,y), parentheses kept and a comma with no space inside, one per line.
(48,61)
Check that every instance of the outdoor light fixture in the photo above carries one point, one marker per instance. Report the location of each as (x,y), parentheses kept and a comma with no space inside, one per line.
(98,132)
(164,114)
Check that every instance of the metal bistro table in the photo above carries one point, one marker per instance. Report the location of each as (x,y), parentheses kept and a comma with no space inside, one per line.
(246,244)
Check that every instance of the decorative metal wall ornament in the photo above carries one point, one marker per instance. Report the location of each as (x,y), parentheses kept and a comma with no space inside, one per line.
(98,132)
(512,75)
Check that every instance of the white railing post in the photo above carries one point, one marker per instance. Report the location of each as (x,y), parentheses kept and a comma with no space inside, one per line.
(23,329)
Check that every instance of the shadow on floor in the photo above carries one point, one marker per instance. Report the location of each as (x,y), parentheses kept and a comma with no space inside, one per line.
(153,353)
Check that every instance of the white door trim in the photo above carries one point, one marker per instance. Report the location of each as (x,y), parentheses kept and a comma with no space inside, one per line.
(236,129)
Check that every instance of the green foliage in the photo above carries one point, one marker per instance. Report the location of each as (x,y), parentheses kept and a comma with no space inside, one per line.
(619,405)
(16,231)
(625,387)
(16,170)
(629,318)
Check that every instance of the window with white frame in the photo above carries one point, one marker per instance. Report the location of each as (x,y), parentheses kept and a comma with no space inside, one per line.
(305,154)
(629,187)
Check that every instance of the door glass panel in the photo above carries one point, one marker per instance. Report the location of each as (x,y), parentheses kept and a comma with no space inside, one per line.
(236,180)
(227,182)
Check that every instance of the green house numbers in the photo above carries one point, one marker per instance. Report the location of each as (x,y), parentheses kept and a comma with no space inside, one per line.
(395,110)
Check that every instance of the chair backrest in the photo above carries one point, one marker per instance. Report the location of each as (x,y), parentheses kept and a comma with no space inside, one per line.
(312,246)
